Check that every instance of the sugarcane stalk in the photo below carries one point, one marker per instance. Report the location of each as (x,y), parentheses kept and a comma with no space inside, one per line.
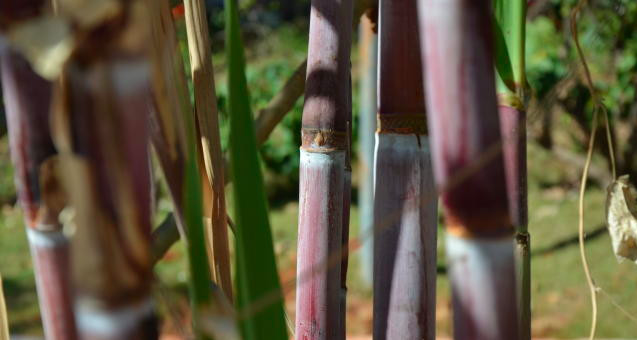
(469,167)
(27,101)
(368,50)
(101,132)
(510,27)
(210,144)
(405,247)
(322,170)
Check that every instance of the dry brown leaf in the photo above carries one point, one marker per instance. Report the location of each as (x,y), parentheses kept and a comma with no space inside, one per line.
(621,216)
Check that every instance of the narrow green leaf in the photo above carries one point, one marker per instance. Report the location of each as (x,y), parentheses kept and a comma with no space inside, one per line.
(509,31)
(259,298)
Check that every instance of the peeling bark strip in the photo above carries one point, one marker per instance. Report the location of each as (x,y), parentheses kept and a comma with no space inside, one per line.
(27,101)
(462,112)
(405,199)
(469,167)
(322,194)
(405,247)
(210,143)
(482,275)
(320,232)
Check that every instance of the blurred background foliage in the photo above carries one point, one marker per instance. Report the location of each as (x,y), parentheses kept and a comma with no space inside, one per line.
(559,117)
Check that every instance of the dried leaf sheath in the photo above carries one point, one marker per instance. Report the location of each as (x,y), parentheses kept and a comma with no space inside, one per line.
(322,171)
(210,143)
(468,165)
(174,139)
(27,102)
(405,200)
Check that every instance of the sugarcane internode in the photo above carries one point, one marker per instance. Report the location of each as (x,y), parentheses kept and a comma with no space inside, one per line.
(405,199)
(469,166)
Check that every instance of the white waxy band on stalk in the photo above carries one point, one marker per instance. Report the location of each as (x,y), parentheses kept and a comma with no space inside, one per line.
(46,238)
(97,321)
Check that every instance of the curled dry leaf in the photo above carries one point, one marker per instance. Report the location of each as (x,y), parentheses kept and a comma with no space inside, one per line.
(47,42)
(621,216)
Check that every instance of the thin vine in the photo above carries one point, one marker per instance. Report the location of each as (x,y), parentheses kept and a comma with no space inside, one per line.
(598,106)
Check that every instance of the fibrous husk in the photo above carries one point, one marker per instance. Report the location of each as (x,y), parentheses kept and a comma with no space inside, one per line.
(621,216)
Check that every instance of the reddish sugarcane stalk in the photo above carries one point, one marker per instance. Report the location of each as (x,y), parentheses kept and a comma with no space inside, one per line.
(405,199)
(27,100)
(103,136)
(111,252)
(322,170)
(468,165)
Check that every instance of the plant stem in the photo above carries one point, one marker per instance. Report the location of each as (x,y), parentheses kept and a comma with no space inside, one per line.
(405,247)
(510,32)
(324,133)
(465,129)
(27,101)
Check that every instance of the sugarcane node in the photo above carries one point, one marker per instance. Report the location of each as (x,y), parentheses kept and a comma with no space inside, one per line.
(401,123)
(486,224)
(522,238)
(511,100)
(322,140)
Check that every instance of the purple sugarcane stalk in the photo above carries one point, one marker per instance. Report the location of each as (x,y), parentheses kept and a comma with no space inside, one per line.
(405,199)
(27,99)
(322,171)
(469,167)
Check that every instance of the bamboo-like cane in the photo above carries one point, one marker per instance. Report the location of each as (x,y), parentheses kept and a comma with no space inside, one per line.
(510,31)
(102,133)
(322,170)
(207,116)
(27,102)
(404,249)
(468,164)
(368,51)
